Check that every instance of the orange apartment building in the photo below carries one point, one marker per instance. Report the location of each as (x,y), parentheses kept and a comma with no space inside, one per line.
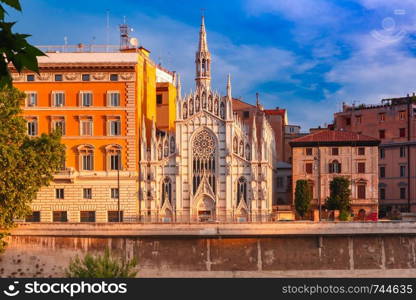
(394,123)
(99,101)
(320,156)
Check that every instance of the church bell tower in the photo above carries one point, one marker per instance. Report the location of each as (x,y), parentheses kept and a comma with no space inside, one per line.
(203,60)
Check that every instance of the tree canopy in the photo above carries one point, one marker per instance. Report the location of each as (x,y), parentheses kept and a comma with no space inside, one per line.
(303,197)
(26,163)
(14,47)
(340,194)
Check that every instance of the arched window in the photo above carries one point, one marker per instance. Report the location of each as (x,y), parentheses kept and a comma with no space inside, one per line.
(197,104)
(191,107)
(166,148)
(113,157)
(204,162)
(203,66)
(248,157)
(242,190)
(166,191)
(235,145)
(185,110)
(204,100)
(86,157)
(210,103)
(222,110)
(216,106)
(159,152)
(241,148)
(334,167)
(172,145)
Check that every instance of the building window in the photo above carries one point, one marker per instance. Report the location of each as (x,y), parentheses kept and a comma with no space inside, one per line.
(85,77)
(115,216)
(32,127)
(402,193)
(87,193)
(348,121)
(31,99)
(34,217)
(159,99)
(87,216)
(60,216)
(382,117)
(402,151)
(361,151)
(59,194)
(59,125)
(114,193)
(30,77)
(309,168)
(86,99)
(58,77)
(382,194)
(402,132)
(309,151)
(204,163)
(246,114)
(86,127)
(382,134)
(58,99)
(335,167)
(361,191)
(113,77)
(402,171)
(166,191)
(382,172)
(335,151)
(241,190)
(358,119)
(113,99)
(87,162)
(402,115)
(113,157)
(86,155)
(361,167)
(279,182)
(115,127)
(382,153)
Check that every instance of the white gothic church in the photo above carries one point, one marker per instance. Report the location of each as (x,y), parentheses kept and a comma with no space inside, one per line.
(215,166)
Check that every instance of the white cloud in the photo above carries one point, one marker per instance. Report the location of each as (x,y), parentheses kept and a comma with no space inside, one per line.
(375,70)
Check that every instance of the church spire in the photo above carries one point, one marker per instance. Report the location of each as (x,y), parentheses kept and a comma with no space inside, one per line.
(229,86)
(203,45)
(203,59)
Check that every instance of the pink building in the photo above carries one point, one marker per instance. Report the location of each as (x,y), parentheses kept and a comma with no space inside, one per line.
(394,123)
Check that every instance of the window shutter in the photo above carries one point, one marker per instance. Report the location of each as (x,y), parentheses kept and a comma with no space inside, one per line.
(108,99)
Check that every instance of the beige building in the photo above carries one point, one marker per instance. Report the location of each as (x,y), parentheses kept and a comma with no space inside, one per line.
(394,123)
(325,154)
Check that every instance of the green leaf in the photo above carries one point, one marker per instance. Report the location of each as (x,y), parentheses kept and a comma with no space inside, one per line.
(13,3)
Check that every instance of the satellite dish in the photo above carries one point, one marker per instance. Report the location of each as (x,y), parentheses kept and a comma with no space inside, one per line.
(134,42)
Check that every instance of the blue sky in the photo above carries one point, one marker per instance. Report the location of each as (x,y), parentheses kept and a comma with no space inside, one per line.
(307,56)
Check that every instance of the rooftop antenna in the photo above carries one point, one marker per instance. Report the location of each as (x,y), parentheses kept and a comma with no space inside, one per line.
(124,35)
(65,43)
(107,30)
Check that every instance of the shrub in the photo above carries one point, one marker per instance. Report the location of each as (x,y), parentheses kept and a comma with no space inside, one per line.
(101,266)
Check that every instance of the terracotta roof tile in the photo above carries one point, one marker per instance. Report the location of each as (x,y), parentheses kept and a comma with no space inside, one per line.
(334,136)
